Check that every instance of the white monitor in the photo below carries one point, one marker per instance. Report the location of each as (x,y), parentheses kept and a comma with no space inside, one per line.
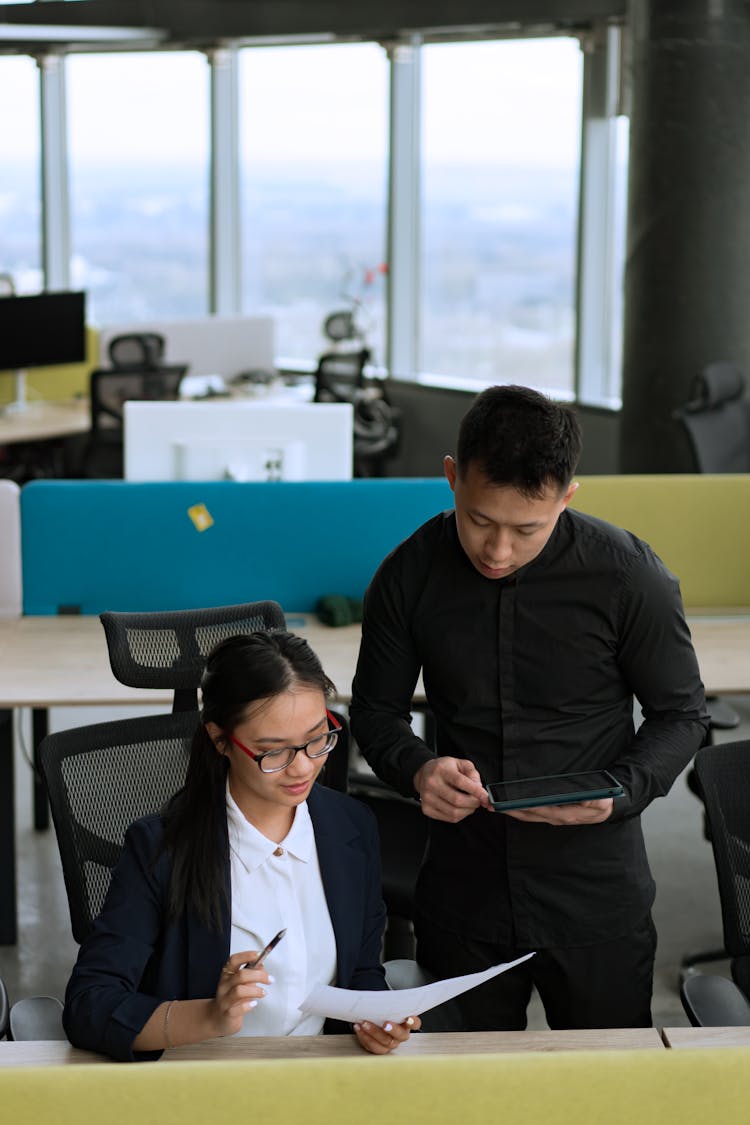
(238,440)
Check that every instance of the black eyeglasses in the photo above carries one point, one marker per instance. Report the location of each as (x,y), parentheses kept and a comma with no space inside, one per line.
(272,761)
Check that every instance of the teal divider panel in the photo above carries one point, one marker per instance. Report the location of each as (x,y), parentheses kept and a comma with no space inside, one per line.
(90,546)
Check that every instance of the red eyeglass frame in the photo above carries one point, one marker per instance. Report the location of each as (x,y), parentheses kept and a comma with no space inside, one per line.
(334,728)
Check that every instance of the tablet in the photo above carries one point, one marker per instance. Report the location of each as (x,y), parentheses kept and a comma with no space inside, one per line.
(562,789)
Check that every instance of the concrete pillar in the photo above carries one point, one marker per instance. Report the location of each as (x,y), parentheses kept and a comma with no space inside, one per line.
(687,273)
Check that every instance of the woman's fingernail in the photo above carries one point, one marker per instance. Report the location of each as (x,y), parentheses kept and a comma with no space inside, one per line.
(271,980)
(355,1026)
(365,1025)
(387,1027)
(410,1021)
(251,1004)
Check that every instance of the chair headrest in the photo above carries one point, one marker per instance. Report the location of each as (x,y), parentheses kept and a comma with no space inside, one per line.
(136,351)
(718,383)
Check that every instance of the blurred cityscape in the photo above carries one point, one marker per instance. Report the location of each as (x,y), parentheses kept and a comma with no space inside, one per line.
(497,256)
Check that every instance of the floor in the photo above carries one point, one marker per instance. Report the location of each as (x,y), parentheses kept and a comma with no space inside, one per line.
(686,911)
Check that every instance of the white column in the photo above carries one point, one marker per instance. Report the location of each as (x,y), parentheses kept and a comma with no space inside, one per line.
(225,253)
(404,210)
(54,167)
(597,368)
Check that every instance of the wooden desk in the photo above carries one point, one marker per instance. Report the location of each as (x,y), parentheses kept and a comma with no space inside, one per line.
(723,648)
(44,420)
(59,661)
(346,1046)
(679,1037)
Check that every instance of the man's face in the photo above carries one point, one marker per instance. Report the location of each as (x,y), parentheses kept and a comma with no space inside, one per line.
(499,528)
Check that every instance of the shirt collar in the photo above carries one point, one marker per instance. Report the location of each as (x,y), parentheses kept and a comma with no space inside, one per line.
(253,849)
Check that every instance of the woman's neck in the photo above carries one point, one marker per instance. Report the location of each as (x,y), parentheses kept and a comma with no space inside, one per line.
(271,820)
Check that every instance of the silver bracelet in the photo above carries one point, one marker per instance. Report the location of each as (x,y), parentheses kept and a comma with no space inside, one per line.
(168,1041)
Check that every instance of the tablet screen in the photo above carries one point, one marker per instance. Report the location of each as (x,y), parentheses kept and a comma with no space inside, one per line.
(557,790)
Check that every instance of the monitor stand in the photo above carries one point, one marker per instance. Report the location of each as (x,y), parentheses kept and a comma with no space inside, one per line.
(20,404)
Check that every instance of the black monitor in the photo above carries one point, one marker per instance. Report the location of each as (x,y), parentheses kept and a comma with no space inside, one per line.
(42,330)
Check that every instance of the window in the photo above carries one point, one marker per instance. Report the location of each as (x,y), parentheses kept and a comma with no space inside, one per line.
(139,136)
(501,126)
(313,140)
(20,247)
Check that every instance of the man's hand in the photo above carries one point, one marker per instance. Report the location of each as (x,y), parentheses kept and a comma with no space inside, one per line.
(583,812)
(450,789)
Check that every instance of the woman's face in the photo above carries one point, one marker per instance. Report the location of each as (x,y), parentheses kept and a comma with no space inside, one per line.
(289,719)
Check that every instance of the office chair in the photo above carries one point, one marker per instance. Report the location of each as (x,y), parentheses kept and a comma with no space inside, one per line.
(109,390)
(403,831)
(338,373)
(340,378)
(36,1017)
(100,778)
(136,351)
(168,649)
(723,774)
(4,1009)
(717,420)
(33,1017)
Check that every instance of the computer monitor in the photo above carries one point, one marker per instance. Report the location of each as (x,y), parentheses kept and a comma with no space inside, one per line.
(41,330)
(238,440)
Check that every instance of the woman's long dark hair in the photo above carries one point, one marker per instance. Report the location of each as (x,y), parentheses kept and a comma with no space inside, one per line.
(239,671)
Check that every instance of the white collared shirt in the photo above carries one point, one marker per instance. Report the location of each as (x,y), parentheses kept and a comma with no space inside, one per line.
(276,886)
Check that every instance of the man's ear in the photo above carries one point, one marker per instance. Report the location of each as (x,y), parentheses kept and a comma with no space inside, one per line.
(449,468)
(570,492)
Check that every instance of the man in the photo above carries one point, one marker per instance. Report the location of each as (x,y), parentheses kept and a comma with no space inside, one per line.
(534,627)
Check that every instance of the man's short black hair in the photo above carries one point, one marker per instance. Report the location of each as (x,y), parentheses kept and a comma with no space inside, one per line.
(519,437)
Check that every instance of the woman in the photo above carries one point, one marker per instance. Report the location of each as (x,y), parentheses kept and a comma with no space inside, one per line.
(250,845)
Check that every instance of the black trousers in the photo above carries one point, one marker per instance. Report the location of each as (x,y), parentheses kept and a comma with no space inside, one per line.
(605,985)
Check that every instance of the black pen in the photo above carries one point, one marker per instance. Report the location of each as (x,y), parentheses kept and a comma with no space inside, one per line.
(271,945)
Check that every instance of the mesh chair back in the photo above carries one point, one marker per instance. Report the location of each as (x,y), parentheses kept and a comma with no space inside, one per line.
(338,373)
(717,420)
(724,777)
(111,389)
(136,350)
(169,649)
(99,779)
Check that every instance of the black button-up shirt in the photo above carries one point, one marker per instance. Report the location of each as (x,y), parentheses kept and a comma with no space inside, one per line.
(526,676)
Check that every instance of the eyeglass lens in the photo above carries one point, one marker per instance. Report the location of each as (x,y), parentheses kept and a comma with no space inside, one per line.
(275,760)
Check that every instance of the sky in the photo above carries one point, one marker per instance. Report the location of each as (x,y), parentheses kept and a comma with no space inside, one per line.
(483,103)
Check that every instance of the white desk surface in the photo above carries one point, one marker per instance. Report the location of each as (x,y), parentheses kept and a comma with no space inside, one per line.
(45,420)
(58,661)
(41,1053)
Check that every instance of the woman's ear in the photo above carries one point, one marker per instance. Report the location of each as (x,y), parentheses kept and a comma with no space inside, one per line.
(217,736)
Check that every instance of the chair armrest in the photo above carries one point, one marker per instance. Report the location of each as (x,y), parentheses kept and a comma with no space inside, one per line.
(714,1001)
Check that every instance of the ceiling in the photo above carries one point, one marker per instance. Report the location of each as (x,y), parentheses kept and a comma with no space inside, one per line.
(168,24)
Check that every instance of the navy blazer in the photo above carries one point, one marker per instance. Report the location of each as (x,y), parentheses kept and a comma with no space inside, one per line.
(133,961)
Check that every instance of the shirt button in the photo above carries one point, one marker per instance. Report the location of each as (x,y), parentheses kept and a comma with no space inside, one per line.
(278,851)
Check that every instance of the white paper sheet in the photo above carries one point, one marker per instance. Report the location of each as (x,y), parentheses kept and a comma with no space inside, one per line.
(394,1005)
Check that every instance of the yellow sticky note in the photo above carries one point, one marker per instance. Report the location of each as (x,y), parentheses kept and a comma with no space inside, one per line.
(201,517)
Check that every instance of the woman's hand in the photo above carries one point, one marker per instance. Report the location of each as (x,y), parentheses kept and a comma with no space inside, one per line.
(383,1040)
(237,992)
